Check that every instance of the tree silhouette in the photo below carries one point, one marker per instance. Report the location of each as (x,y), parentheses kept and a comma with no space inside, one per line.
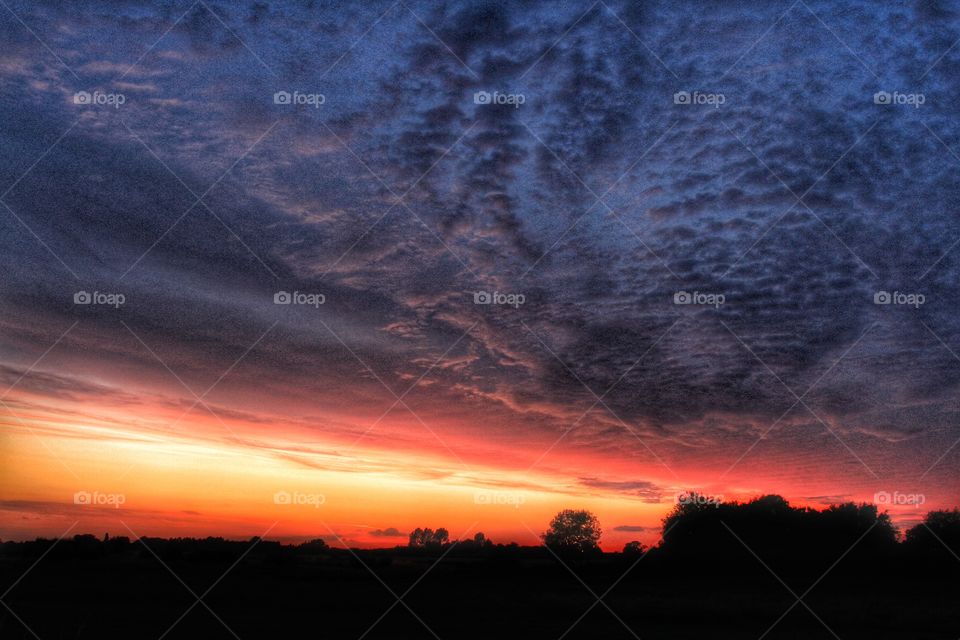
(939,529)
(428,537)
(573,531)
(634,548)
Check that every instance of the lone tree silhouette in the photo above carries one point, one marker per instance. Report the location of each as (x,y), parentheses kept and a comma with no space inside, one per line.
(573,531)
(634,548)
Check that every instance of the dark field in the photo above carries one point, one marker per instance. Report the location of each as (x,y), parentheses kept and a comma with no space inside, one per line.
(276,592)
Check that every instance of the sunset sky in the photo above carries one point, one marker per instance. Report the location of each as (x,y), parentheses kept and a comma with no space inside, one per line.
(431,153)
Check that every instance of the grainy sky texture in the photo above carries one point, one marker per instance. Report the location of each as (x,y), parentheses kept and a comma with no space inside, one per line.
(783,164)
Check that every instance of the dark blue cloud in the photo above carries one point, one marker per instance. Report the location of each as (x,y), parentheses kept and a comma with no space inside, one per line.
(498,197)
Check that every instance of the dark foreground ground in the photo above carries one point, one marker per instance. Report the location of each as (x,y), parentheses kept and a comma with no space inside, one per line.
(518,593)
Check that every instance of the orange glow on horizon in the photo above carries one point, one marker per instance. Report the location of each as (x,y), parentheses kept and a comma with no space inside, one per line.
(221,476)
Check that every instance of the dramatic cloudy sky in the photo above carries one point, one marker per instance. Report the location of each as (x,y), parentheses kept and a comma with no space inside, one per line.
(591,191)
